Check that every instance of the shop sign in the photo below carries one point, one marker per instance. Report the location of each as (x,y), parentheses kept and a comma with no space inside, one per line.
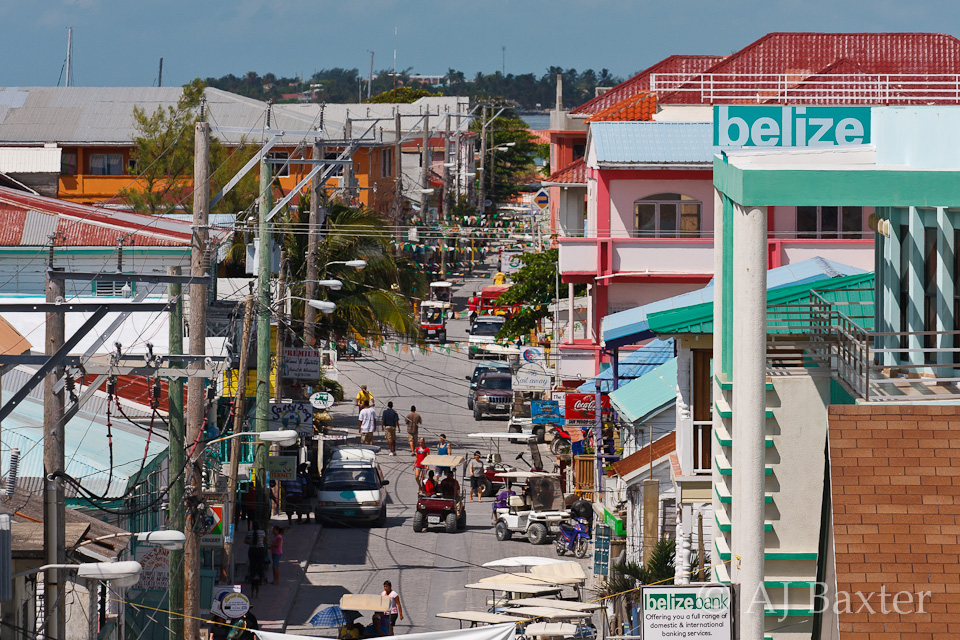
(510,261)
(777,126)
(282,467)
(322,400)
(212,532)
(292,415)
(703,612)
(301,364)
(533,354)
(545,412)
(532,377)
(581,408)
(154,568)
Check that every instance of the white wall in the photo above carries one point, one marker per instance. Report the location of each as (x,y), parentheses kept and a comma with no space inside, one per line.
(623,193)
(627,295)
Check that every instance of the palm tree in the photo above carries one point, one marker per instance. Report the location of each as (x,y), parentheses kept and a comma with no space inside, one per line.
(624,582)
(374,302)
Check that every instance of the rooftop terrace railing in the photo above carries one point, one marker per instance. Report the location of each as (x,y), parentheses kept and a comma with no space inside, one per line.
(834,330)
(807,88)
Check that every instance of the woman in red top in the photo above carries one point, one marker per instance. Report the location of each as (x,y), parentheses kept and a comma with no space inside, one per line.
(429,486)
(422,452)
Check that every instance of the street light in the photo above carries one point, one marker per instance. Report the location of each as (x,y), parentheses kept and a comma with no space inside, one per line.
(355,264)
(324,306)
(171,540)
(121,574)
(335,285)
(282,437)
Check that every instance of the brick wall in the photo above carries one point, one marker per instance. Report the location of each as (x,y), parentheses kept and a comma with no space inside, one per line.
(896,482)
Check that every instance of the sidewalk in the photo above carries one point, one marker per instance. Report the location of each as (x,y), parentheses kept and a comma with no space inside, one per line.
(272,606)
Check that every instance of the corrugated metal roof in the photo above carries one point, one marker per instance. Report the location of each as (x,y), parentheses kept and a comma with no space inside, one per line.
(647,395)
(633,365)
(630,326)
(651,142)
(87,450)
(641,81)
(30,160)
(699,318)
(83,225)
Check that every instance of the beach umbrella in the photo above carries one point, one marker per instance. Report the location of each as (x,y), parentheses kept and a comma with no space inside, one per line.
(333,617)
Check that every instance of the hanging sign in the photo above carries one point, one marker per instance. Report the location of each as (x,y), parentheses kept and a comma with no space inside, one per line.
(282,467)
(301,364)
(703,612)
(581,408)
(545,412)
(322,400)
(532,377)
(292,415)
(228,602)
(212,533)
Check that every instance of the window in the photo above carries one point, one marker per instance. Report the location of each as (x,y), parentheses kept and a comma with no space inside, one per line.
(68,163)
(702,410)
(280,168)
(830,223)
(667,215)
(386,163)
(110,289)
(579,150)
(106,164)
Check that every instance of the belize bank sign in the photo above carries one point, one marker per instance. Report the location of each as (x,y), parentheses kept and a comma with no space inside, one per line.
(777,126)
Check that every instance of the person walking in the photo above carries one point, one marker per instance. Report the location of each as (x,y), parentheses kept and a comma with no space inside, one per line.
(396,609)
(364,396)
(418,467)
(413,421)
(276,552)
(256,540)
(390,420)
(476,477)
(368,423)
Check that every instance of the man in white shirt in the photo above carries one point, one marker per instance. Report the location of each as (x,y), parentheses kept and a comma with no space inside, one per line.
(368,423)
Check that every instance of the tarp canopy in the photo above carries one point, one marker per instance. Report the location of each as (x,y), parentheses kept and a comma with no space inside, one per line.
(631,366)
(492,632)
(522,561)
(631,327)
(646,396)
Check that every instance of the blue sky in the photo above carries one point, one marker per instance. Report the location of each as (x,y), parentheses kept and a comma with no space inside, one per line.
(119,43)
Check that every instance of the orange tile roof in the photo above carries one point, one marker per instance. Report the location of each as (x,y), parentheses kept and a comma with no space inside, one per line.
(641,106)
(637,460)
(540,136)
(573,173)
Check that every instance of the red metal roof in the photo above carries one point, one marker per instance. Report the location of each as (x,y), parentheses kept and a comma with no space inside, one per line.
(807,55)
(641,81)
(79,225)
(638,459)
(573,173)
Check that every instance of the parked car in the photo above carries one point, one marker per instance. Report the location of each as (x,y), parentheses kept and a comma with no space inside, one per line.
(492,366)
(493,395)
(353,489)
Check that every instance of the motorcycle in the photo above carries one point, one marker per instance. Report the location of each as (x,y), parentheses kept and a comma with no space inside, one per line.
(560,444)
(574,538)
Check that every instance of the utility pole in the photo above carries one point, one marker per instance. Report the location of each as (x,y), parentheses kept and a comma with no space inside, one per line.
(313,246)
(281,310)
(195,395)
(481,192)
(348,168)
(397,171)
(53,442)
(239,416)
(177,452)
(447,200)
(160,74)
(263,343)
(370,79)
(425,166)
(69,64)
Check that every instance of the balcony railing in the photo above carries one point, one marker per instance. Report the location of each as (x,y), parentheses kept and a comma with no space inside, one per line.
(834,330)
(807,88)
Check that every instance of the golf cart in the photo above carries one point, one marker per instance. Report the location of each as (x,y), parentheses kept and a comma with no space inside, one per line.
(493,465)
(433,320)
(441,291)
(537,513)
(438,509)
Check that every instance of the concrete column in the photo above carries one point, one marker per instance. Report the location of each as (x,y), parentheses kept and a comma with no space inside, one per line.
(891,283)
(915,291)
(685,410)
(946,286)
(749,412)
(570,314)
(589,335)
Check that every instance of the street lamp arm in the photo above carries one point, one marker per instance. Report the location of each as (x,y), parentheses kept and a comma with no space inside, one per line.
(284,437)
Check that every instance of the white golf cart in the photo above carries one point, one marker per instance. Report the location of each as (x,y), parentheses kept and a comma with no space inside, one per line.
(537,513)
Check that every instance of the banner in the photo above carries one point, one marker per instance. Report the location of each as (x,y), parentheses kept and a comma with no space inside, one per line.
(703,612)
(581,408)
(282,467)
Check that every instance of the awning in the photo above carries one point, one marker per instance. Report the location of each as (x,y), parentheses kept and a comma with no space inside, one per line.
(631,366)
(647,395)
(630,326)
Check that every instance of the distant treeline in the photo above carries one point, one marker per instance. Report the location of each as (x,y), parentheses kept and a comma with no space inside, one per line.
(528,91)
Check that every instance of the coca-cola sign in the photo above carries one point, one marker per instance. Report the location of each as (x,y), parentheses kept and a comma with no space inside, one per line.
(583,406)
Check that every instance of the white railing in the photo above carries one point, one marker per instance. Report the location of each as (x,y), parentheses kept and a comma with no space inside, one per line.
(810,88)
(702,445)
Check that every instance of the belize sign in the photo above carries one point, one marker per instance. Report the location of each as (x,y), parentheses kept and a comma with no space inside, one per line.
(776,126)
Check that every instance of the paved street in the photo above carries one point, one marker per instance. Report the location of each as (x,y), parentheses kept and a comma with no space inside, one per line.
(428,569)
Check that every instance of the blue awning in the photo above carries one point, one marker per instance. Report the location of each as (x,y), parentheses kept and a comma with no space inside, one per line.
(632,365)
(648,395)
(630,326)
